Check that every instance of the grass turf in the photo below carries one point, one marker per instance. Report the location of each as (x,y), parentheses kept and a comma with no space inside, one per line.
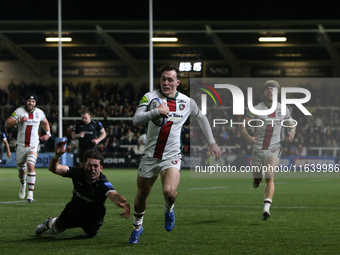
(221,216)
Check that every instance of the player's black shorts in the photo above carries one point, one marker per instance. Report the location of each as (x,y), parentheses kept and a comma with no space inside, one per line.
(69,218)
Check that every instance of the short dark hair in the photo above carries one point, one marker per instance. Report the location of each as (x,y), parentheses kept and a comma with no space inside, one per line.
(170,67)
(95,154)
(85,111)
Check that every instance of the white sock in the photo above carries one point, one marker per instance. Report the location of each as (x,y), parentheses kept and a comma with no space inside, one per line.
(138,220)
(22,178)
(50,223)
(31,181)
(267,203)
(167,208)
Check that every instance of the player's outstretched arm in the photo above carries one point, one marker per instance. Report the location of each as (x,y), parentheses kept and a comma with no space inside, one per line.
(121,202)
(206,128)
(54,165)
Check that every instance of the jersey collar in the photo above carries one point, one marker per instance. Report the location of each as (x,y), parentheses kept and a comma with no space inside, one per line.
(173,98)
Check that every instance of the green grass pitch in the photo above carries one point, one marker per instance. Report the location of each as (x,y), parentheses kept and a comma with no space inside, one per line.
(213,216)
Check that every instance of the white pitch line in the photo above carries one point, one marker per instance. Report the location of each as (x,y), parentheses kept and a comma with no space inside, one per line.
(13,202)
(220,187)
(322,180)
(200,206)
(254,206)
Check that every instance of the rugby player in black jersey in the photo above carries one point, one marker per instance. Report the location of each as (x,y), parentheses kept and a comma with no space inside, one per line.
(91,188)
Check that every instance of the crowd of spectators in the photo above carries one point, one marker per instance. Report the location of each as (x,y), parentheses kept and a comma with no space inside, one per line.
(108,100)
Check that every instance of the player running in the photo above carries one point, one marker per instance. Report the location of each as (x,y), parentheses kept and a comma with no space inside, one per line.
(266,142)
(162,154)
(89,132)
(28,119)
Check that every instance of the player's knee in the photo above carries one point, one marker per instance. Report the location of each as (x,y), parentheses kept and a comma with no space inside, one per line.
(31,159)
(22,168)
(269,180)
(170,194)
(257,181)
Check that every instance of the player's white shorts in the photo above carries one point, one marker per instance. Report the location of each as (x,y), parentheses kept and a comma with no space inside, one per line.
(22,152)
(151,167)
(258,156)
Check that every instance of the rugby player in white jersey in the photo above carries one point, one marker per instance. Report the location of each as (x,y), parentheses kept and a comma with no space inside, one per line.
(266,141)
(28,119)
(162,153)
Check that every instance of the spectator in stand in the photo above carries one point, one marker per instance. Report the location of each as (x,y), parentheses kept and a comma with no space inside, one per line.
(134,140)
(107,145)
(301,150)
(186,143)
(319,142)
(23,87)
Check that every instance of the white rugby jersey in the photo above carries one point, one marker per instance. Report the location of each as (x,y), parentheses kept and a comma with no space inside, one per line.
(269,133)
(28,132)
(165,142)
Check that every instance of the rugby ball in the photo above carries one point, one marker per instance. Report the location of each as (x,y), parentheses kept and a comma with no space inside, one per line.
(155,103)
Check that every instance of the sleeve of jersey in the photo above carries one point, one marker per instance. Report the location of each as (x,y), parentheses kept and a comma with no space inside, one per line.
(142,115)
(71,172)
(99,126)
(43,116)
(287,113)
(202,121)
(15,115)
(109,187)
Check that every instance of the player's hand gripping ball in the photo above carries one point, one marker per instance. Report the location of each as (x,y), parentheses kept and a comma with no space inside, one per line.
(158,121)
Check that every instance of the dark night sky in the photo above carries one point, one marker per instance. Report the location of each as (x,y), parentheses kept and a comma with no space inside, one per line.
(169,10)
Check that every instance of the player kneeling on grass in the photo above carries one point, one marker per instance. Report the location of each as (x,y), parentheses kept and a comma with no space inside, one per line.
(87,207)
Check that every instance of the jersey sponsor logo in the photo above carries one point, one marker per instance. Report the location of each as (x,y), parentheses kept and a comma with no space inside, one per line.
(84,198)
(87,132)
(175,115)
(181,107)
(144,100)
